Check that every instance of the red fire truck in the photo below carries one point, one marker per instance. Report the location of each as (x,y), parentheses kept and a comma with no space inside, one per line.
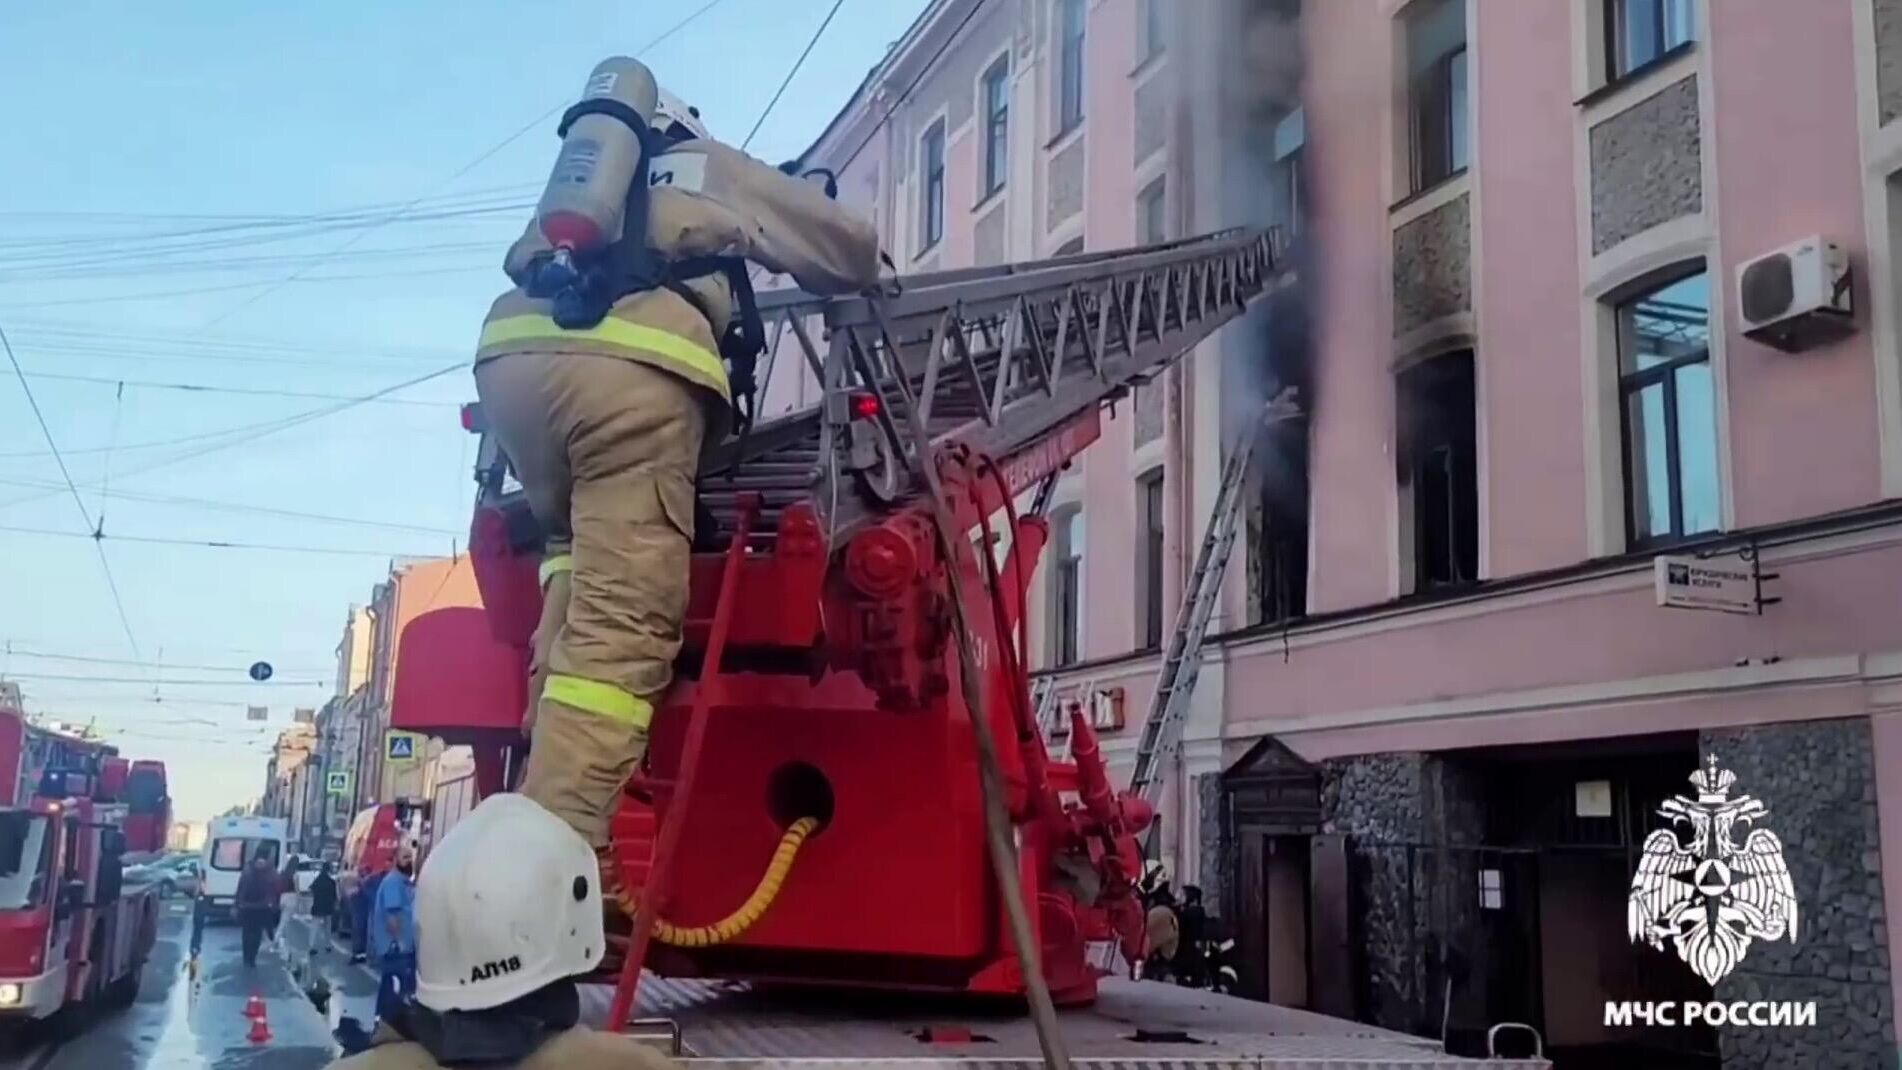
(148,807)
(71,931)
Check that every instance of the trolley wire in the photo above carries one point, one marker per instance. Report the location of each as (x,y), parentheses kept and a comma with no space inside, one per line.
(213,505)
(105,566)
(208,388)
(357,236)
(210,544)
(798,63)
(271,428)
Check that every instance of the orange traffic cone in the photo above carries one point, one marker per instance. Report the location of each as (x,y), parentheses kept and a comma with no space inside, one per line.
(260,1030)
(254,1007)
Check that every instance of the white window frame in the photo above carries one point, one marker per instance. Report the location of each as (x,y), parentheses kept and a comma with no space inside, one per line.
(1412,179)
(1066,65)
(927,241)
(1060,517)
(1002,59)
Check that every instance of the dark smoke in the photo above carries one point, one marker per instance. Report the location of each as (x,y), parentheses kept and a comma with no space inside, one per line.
(1261,63)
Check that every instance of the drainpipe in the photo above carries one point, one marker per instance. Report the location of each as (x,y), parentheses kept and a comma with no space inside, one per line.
(1199,437)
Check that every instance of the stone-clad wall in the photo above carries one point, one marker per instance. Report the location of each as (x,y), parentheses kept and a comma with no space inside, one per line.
(1889,58)
(1647,166)
(1432,266)
(1215,876)
(1065,195)
(1818,780)
(1409,818)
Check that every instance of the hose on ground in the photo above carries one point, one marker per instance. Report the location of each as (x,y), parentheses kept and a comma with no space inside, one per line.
(749,912)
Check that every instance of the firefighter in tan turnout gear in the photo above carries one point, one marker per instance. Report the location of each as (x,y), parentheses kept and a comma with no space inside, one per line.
(623,350)
(508,914)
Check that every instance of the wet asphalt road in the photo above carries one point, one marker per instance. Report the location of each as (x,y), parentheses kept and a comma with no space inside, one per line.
(182,1023)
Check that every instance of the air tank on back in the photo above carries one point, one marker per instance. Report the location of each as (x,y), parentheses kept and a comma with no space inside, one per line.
(581,207)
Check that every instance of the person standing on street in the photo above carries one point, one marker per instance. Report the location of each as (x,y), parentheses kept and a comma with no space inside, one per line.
(1191,952)
(323,899)
(257,901)
(393,935)
(201,913)
(1164,933)
(343,922)
(286,896)
(363,907)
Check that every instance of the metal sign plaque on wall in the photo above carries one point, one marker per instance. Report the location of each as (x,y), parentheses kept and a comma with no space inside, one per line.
(1726,585)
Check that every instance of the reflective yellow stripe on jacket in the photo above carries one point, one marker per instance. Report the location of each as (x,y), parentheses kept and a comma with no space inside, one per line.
(554,565)
(650,345)
(602,700)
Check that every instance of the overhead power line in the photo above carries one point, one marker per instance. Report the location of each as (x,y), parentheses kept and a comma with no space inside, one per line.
(15,652)
(147,681)
(153,295)
(269,429)
(943,47)
(112,584)
(349,243)
(64,338)
(208,388)
(102,701)
(798,63)
(209,544)
(236,507)
(218,222)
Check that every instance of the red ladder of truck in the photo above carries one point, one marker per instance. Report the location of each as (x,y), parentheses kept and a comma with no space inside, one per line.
(1000,371)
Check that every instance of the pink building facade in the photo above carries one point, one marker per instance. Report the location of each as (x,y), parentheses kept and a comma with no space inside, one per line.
(1443,701)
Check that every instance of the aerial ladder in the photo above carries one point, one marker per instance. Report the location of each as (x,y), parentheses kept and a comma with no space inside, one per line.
(853,713)
(1182,659)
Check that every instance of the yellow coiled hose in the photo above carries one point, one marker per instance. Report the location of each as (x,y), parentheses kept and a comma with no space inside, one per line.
(756,905)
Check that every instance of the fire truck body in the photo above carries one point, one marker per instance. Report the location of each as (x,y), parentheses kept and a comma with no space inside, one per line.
(148,807)
(71,931)
(840,695)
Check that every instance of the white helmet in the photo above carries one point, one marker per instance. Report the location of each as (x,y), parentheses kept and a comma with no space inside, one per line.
(508,902)
(672,111)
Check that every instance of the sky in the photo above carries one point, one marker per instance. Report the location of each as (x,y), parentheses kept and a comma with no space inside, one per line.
(292,205)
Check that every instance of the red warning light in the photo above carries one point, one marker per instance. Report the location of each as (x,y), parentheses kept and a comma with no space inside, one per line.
(472,417)
(865,406)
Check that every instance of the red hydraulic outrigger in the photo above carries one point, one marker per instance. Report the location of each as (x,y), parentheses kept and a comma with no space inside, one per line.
(854,651)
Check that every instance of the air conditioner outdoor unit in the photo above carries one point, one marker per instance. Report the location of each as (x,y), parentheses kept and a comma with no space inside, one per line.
(1797,297)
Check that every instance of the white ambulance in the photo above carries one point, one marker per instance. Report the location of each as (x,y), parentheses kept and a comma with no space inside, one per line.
(233,843)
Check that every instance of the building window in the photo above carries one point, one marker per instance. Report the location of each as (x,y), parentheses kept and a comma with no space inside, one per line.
(1436,90)
(1439,470)
(1154,34)
(933,150)
(1284,180)
(1150,217)
(996,125)
(1640,32)
(1071,15)
(1066,590)
(1492,889)
(1071,247)
(1149,565)
(1278,524)
(1669,405)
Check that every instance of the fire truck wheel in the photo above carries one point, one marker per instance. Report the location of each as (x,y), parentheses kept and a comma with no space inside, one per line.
(124,992)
